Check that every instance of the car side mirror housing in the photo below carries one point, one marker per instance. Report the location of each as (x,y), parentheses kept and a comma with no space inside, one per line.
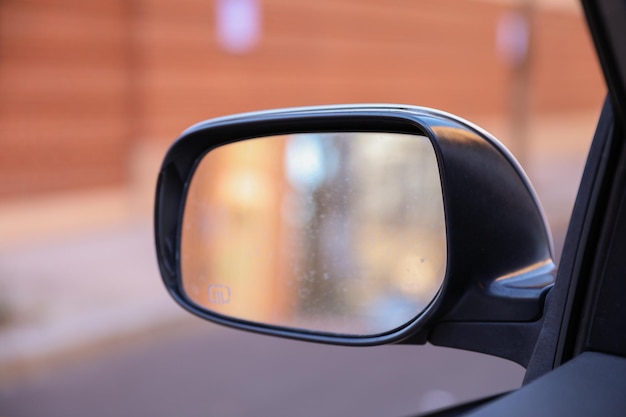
(355,225)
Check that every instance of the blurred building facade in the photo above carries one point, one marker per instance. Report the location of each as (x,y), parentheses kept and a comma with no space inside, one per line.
(83,83)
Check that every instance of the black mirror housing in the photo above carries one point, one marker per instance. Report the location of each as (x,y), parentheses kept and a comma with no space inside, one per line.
(499,250)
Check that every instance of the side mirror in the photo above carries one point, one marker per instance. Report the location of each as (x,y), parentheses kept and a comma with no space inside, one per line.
(355,225)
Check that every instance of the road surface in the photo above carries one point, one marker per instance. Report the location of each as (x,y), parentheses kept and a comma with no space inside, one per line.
(202,370)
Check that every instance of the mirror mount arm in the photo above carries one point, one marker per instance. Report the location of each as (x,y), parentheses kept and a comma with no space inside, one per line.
(513,341)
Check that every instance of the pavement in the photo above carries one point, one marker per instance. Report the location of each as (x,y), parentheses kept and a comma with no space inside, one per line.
(78,292)
(79,270)
(219,372)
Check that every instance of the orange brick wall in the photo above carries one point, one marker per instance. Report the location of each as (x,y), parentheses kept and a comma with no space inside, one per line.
(565,72)
(80,81)
(319,52)
(63,94)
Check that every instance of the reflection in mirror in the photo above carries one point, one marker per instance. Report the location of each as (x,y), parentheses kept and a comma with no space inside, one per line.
(339,233)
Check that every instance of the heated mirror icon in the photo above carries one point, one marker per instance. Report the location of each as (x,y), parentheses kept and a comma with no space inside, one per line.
(219,294)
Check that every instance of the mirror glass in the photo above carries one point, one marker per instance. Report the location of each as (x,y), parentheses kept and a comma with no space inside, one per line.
(341,233)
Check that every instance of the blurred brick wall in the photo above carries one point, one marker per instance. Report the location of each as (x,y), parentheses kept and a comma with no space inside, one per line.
(63,94)
(317,52)
(565,74)
(81,81)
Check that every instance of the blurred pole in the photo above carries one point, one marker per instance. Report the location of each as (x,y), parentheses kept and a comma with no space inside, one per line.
(514,45)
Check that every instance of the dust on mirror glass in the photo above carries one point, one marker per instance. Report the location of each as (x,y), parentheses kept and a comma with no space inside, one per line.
(340,233)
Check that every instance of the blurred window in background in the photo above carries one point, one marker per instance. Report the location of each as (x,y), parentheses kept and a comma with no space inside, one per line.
(238,24)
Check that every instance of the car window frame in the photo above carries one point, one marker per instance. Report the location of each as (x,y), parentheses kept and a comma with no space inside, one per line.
(570,308)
